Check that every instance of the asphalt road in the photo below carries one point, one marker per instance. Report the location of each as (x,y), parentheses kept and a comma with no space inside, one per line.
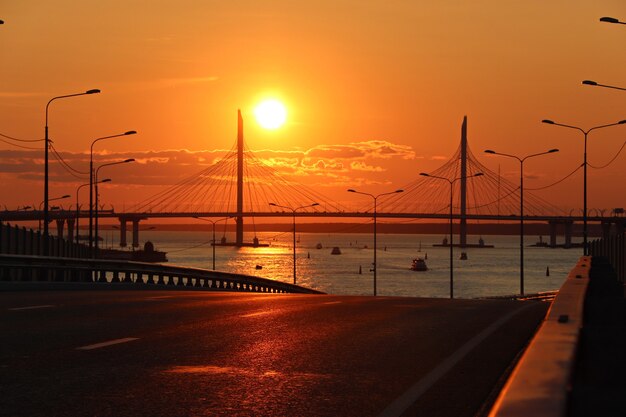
(159,353)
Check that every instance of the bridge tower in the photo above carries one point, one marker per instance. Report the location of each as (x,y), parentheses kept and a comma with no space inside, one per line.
(463,225)
(239,218)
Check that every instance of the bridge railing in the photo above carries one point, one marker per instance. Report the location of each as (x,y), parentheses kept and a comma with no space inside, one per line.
(21,241)
(613,249)
(38,270)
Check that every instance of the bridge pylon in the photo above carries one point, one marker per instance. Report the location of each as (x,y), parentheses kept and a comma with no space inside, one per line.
(239,217)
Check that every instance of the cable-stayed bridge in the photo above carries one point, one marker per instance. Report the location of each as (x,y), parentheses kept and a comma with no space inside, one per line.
(241,186)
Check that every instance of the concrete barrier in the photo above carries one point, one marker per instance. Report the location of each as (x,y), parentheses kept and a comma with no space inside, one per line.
(538,386)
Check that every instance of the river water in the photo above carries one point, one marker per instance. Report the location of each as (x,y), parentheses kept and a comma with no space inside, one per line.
(486,272)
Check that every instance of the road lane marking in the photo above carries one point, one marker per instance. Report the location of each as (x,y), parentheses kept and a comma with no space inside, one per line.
(259,313)
(406,400)
(31,307)
(108,343)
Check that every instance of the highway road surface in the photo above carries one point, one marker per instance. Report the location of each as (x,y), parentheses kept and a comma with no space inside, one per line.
(178,353)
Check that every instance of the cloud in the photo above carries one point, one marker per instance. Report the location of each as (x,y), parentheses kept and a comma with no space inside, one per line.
(323,166)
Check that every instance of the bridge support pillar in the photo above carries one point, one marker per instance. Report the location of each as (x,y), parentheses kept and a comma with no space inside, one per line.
(135,233)
(70,230)
(606,230)
(552,234)
(60,226)
(620,226)
(568,234)
(123,233)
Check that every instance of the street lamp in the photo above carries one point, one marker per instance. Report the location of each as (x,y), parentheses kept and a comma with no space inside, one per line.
(78,208)
(95,182)
(611,20)
(585,133)
(521,207)
(42,203)
(374,265)
(91,179)
(213,223)
(46,214)
(424,174)
(294,231)
(595,84)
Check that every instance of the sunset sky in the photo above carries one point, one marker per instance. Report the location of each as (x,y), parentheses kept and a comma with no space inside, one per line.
(375,91)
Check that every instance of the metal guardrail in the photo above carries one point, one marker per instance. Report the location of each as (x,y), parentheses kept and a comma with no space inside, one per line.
(39,269)
(539,383)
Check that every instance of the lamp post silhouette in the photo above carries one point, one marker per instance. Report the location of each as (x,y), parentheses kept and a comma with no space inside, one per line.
(91,180)
(294,231)
(213,241)
(375,198)
(95,183)
(521,207)
(612,20)
(451,181)
(78,208)
(596,84)
(585,133)
(46,213)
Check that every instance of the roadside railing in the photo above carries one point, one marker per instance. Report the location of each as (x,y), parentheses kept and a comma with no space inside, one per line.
(613,249)
(540,383)
(39,270)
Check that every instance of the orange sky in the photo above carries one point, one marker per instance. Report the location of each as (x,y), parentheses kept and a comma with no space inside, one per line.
(383,84)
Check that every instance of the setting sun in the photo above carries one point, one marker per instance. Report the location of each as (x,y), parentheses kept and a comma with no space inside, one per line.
(270,114)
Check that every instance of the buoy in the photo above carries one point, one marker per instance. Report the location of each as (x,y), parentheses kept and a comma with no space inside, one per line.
(360,271)
(547,271)
(426,256)
(308,255)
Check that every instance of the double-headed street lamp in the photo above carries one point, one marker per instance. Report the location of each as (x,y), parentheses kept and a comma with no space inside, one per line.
(46,213)
(451,181)
(78,208)
(294,231)
(596,84)
(44,202)
(375,198)
(213,241)
(91,179)
(95,183)
(585,133)
(521,207)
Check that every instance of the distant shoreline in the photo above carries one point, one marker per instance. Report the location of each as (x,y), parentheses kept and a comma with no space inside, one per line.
(530,229)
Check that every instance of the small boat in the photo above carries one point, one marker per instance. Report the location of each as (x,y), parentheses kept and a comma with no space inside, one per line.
(463,256)
(318,246)
(335,251)
(419,265)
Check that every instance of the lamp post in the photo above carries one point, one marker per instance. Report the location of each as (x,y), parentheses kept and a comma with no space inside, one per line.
(585,133)
(611,20)
(294,231)
(91,179)
(46,213)
(521,207)
(42,203)
(451,181)
(595,84)
(95,182)
(78,208)
(375,198)
(213,223)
